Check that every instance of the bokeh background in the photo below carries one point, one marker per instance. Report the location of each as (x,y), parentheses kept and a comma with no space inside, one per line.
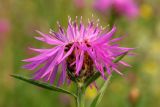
(20,18)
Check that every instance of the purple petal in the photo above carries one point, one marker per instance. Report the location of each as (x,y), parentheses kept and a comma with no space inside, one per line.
(53,63)
(37,75)
(67,54)
(79,63)
(53,75)
(34,65)
(125,64)
(39,50)
(116,70)
(43,55)
(48,39)
(63,74)
(105,37)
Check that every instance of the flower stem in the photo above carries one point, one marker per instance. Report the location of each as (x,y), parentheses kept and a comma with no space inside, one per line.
(80,96)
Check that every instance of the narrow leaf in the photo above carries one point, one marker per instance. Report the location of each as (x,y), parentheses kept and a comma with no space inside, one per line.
(120,57)
(43,85)
(93,78)
(99,96)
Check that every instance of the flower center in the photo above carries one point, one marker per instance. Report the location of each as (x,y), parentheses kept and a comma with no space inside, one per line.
(86,70)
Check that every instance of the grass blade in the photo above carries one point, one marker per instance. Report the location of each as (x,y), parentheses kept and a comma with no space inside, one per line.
(99,96)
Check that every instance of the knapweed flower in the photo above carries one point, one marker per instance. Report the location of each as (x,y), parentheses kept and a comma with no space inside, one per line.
(80,51)
(121,7)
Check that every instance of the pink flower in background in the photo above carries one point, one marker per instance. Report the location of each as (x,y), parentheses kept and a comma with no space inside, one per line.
(78,51)
(122,7)
(4,26)
(102,5)
(79,3)
(4,33)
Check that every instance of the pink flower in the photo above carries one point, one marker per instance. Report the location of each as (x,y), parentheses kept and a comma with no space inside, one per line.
(4,32)
(79,3)
(122,7)
(80,51)
(4,26)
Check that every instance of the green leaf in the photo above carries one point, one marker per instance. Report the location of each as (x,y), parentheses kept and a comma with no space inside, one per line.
(120,57)
(43,85)
(91,79)
(97,74)
(99,96)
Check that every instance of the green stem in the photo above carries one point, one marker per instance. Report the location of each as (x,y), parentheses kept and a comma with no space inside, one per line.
(80,96)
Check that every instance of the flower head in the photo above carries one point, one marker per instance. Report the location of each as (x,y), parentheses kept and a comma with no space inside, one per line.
(121,7)
(80,51)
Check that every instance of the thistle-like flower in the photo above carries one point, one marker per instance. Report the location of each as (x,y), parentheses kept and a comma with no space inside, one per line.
(122,7)
(79,51)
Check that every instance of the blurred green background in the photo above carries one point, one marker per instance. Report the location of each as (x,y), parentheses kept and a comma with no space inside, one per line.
(21,18)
